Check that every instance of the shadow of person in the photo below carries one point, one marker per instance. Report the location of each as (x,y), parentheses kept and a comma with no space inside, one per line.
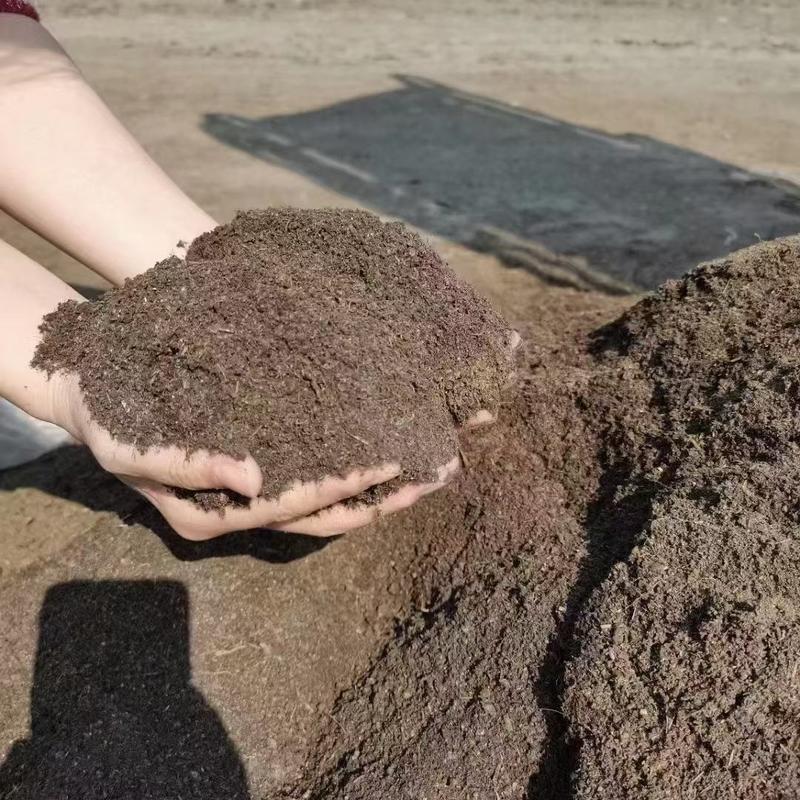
(113,710)
(73,474)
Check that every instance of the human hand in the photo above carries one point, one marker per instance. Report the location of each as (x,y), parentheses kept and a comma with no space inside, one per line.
(344,517)
(157,471)
(316,509)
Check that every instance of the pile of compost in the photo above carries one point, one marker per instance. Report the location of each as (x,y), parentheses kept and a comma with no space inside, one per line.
(606,604)
(622,621)
(684,678)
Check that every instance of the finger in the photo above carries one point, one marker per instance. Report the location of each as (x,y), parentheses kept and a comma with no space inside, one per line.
(483,417)
(342,518)
(186,518)
(514,341)
(193,522)
(171,466)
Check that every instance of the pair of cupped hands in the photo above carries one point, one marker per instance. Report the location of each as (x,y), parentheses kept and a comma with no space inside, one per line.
(68,191)
(316,509)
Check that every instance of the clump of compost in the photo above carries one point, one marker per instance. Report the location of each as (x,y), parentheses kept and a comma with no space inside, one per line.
(319,341)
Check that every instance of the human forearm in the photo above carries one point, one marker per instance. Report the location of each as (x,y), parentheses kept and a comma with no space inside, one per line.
(70,170)
(27,293)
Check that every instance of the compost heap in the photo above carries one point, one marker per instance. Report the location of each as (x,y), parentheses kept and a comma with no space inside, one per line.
(317,341)
(607,602)
(621,620)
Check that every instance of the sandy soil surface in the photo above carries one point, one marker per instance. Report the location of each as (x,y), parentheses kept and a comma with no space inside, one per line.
(255,638)
(717,78)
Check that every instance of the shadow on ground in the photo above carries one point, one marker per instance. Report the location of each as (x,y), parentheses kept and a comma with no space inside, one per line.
(73,474)
(575,205)
(113,709)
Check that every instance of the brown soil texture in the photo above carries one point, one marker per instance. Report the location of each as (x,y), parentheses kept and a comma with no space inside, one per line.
(451,707)
(606,604)
(318,341)
(685,672)
(315,620)
(622,618)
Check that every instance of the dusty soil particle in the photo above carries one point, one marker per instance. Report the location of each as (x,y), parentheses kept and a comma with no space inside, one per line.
(318,341)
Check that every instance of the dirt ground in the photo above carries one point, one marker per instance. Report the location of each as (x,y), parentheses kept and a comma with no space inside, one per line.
(253,639)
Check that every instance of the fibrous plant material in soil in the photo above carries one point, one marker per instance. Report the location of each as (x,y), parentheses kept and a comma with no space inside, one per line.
(621,620)
(317,341)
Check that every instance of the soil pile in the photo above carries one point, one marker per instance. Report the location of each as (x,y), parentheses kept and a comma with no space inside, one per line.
(622,620)
(685,679)
(452,706)
(318,341)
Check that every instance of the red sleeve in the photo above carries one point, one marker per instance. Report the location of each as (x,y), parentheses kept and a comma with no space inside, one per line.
(18,7)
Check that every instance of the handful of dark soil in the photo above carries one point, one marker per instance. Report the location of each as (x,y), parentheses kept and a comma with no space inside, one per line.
(317,341)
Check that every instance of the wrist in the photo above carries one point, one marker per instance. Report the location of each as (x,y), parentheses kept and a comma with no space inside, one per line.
(45,399)
(63,398)
(28,293)
(176,231)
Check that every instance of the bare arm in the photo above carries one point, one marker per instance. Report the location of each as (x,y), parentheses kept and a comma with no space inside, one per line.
(71,172)
(69,169)
(27,293)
